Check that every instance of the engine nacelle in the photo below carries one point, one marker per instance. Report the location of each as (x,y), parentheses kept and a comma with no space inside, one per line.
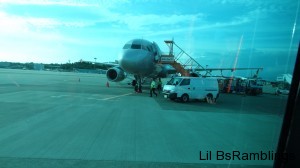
(163,73)
(115,74)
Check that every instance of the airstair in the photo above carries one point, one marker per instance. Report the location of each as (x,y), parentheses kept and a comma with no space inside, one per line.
(183,63)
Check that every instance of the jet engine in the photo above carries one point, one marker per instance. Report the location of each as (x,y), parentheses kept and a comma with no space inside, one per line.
(163,73)
(115,74)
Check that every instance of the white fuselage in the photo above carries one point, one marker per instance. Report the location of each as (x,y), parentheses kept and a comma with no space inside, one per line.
(139,57)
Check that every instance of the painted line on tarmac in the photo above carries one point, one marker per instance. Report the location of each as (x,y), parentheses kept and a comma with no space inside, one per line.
(13,81)
(59,96)
(117,96)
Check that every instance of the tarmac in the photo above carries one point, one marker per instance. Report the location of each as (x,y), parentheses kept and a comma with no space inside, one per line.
(66,119)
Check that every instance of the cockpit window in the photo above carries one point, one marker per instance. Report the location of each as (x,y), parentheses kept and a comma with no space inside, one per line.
(144,48)
(150,48)
(127,46)
(135,46)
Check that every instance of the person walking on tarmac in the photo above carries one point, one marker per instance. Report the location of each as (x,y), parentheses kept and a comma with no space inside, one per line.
(152,88)
(134,84)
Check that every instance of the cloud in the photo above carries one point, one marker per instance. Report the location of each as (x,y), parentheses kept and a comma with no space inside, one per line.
(150,21)
(101,21)
(18,31)
(251,2)
(70,3)
(47,2)
(24,24)
(152,24)
(201,26)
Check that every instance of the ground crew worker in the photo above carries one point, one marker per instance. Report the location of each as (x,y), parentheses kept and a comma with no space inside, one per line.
(134,84)
(210,100)
(152,88)
(159,86)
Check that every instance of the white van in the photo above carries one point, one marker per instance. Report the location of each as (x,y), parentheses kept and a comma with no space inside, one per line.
(185,88)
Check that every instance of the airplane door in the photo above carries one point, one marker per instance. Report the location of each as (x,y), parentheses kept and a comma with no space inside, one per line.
(157,52)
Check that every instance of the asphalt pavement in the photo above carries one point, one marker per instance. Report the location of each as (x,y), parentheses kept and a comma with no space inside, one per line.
(65,119)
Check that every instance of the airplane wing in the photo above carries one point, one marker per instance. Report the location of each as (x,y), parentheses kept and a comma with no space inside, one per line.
(107,65)
(209,70)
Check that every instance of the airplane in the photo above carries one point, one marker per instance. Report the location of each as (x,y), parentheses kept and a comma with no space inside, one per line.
(142,59)
(138,57)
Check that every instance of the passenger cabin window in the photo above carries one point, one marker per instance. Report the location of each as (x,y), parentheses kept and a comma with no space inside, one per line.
(185,82)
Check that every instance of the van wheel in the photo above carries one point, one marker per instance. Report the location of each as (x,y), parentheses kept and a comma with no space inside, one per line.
(209,98)
(185,98)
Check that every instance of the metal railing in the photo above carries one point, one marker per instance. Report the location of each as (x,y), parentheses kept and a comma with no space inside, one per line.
(183,58)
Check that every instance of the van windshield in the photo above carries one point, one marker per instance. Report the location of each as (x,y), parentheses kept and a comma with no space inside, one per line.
(174,81)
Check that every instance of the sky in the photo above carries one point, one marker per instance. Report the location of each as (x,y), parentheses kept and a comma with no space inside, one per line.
(216,33)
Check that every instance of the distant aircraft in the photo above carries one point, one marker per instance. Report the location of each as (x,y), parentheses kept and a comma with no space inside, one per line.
(140,58)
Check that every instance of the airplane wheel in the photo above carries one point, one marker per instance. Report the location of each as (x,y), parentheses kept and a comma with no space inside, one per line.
(185,98)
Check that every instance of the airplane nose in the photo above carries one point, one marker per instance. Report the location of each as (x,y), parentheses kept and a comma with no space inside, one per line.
(133,61)
(128,61)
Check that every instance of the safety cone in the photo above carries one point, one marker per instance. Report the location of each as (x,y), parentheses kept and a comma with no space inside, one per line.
(107,84)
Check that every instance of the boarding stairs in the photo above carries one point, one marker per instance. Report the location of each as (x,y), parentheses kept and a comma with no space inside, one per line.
(183,63)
